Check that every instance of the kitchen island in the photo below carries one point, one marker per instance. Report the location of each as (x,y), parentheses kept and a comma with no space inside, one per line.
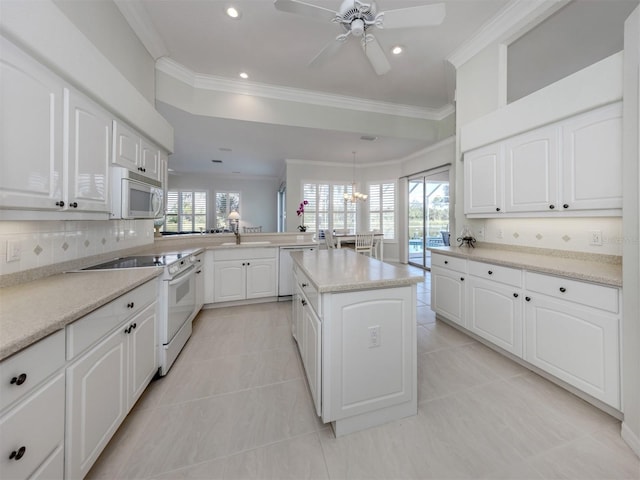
(354,320)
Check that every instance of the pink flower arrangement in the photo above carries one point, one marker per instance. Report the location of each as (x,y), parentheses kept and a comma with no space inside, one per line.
(300,211)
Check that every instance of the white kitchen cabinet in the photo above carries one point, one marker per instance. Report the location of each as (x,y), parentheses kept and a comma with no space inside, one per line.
(201,273)
(132,151)
(208,277)
(241,274)
(494,308)
(483,183)
(107,373)
(572,330)
(88,155)
(31,133)
(32,410)
(448,288)
(531,171)
(592,160)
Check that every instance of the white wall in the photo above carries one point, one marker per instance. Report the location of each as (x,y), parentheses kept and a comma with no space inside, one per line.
(258,196)
(103,24)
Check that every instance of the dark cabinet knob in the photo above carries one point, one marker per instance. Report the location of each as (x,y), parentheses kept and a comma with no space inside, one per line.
(552,207)
(462,279)
(304,285)
(490,272)
(128,329)
(199,271)
(497,209)
(515,295)
(446,262)
(60,204)
(248,263)
(134,325)
(566,205)
(562,289)
(17,455)
(528,299)
(73,204)
(130,305)
(303,301)
(19,380)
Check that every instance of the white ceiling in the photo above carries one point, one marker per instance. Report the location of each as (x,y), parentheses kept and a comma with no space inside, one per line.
(274,48)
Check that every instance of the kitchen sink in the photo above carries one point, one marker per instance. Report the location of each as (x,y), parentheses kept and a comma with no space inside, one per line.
(266,242)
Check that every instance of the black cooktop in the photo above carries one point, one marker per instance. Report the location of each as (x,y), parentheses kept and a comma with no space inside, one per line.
(138,261)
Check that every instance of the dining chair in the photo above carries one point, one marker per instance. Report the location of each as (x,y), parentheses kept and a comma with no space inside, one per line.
(329,240)
(364,243)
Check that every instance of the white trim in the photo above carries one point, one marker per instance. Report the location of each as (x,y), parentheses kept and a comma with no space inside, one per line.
(514,19)
(138,19)
(630,438)
(241,87)
(430,148)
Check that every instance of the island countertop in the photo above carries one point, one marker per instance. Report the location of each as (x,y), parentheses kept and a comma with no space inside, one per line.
(341,270)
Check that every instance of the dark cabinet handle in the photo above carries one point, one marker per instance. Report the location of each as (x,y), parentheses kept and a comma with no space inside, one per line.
(130,305)
(305,285)
(248,263)
(566,205)
(303,301)
(562,289)
(135,325)
(528,299)
(552,207)
(490,272)
(199,271)
(141,169)
(462,279)
(497,209)
(127,330)
(19,454)
(73,204)
(446,262)
(60,204)
(515,295)
(19,380)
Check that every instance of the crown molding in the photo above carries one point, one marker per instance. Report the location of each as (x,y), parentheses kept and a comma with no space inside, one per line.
(138,19)
(514,19)
(242,87)
(430,148)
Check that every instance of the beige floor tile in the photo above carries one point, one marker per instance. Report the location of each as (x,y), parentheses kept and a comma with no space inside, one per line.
(451,335)
(499,364)
(424,315)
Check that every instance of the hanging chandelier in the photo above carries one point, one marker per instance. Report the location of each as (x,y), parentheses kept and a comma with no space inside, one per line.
(355,196)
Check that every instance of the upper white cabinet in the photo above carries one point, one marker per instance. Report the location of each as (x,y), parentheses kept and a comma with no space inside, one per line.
(135,153)
(88,156)
(574,165)
(31,128)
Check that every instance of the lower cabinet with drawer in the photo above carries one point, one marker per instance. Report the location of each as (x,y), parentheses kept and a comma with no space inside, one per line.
(448,288)
(244,274)
(113,356)
(32,411)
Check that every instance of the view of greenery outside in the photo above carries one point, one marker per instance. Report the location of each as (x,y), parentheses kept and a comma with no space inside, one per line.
(226,202)
(186,211)
(437,218)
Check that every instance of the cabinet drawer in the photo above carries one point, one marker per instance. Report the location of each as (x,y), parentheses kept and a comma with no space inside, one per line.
(446,261)
(308,288)
(506,275)
(35,427)
(590,294)
(33,364)
(92,327)
(235,253)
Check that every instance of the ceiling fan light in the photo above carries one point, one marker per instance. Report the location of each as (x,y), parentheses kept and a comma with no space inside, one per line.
(233,13)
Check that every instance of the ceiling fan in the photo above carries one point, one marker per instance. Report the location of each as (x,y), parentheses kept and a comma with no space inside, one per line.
(357,18)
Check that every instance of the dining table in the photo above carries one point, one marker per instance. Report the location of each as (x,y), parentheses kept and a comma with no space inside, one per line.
(378,243)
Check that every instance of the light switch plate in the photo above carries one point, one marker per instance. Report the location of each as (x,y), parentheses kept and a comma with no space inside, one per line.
(14,250)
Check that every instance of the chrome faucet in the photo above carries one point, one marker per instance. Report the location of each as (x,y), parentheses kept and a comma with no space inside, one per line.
(237,234)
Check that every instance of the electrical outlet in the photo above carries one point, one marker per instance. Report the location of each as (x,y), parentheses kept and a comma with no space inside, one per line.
(480,234)
(374,336)
(596,237)
(14,250)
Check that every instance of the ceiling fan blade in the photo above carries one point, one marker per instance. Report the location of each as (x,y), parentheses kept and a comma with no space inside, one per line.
(424,16)
(306,9)
(376,55)
(328,51)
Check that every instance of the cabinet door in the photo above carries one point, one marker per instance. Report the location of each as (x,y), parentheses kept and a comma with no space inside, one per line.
(494,312)
(37,424)
(209,277)
(143,362)
(229,280)
(576,344)
(592,160)
(31,112)
(96,402)
(126,147)
(261,278)
(448,294)
(149,160)
(531,171)
(312,355)
(89,155)
(483,180)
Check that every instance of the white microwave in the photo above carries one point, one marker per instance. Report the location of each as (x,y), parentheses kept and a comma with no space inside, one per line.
(134,195)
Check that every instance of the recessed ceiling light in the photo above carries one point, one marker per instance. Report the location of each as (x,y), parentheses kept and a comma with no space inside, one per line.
(233,13)
(244,75)
(397,50)
(369,138)
(225,149)
(216,161)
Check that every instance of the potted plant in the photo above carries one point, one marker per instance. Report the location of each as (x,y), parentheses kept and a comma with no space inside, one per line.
(302,227)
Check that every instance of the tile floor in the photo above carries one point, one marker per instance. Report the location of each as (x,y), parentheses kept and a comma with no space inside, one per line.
(235,405)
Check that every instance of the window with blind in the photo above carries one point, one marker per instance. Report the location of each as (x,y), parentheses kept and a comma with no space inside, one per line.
(226,202)
(186,211)
(327,208)
(382,208)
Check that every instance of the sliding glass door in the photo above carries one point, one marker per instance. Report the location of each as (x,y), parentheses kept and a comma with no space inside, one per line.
(428,215)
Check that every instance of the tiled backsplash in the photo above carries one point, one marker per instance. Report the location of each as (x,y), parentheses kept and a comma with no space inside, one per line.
(45,243)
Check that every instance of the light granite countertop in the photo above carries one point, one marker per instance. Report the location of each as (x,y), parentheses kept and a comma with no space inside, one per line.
(31,311)
(340,270)
(606,270)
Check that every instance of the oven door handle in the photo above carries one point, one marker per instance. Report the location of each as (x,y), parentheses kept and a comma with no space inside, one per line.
(182,277)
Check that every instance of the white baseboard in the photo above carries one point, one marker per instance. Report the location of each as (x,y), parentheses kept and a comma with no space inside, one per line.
(631,438)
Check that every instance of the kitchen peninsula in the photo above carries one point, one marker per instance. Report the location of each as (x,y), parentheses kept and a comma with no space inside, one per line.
(354,319)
